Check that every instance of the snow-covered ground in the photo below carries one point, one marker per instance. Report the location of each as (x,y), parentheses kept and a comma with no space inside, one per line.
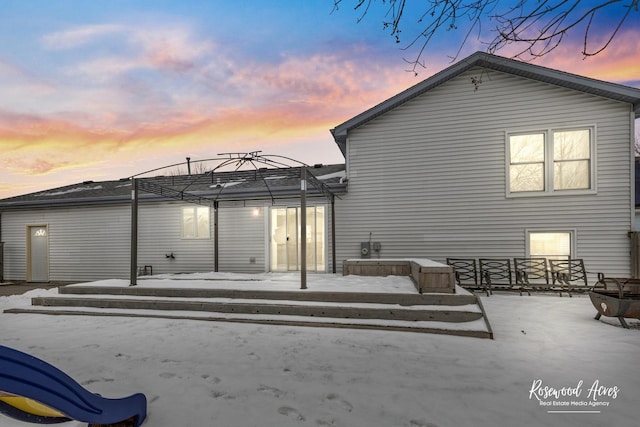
(197,373)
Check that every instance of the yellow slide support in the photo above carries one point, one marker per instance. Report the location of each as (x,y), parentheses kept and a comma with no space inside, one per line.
(30,406)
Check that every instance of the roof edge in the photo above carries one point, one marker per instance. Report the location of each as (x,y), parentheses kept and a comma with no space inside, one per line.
(547,75)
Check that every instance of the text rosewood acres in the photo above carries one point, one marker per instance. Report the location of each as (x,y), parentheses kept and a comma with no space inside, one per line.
(544,392)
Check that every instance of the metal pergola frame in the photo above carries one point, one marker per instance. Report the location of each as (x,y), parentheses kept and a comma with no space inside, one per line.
(237,160)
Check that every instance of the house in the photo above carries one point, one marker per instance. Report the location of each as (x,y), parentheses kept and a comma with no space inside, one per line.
(491,157)
(84,231)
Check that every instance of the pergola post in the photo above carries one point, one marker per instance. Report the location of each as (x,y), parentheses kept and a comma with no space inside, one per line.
(303,227)
(134,232)
(215,236)
(333,233)
(167,190)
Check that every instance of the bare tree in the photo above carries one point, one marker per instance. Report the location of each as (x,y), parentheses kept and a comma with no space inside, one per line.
(536,26)
(195,168)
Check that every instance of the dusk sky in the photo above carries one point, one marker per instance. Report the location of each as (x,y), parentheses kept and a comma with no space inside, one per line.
(104,90)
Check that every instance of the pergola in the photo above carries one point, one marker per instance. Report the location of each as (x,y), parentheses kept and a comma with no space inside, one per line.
(253,161)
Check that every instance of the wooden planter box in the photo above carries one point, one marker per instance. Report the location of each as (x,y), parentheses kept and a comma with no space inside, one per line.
(428,276)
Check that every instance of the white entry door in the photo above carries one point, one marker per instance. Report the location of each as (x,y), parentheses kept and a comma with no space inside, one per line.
(38,254)
(285,239)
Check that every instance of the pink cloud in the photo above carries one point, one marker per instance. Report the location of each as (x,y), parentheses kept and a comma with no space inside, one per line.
(619,62)
(175,49)
(35,166)
(333,85)
(79,36)
(171,48)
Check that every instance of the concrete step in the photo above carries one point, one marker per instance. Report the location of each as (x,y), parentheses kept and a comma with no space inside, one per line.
(477,328)
(458,314)
(306,295)
(280,307)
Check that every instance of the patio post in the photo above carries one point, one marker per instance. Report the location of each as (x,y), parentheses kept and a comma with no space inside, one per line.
(333,233)
(215,236)
(303,227)
(134,232)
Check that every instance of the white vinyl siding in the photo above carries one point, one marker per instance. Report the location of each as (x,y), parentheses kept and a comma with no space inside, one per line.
(85,243)
(160,228)
(241,233)
(427,179)
(92,243)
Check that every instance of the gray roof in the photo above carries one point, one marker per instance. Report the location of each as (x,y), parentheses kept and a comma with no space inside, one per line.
(265,183)
(535,72)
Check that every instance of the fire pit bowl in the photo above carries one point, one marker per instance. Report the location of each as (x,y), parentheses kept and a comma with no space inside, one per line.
(622,303)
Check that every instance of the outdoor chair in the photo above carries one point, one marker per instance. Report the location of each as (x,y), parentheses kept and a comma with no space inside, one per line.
(466,272)
(496,274)
(532,274)
(571,275)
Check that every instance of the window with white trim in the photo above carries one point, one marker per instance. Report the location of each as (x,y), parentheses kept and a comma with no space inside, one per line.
(551,161)
(195,222)
(550,244)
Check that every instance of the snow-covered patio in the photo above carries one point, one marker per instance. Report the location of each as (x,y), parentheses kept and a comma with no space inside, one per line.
(198,373)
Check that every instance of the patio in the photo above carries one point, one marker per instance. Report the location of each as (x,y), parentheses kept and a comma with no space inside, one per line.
(360,302)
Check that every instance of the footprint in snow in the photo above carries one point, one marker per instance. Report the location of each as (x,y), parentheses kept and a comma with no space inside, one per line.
(217,394)
(421,423)
(91,346)
(332,397)
(97,380)
(271,390)
(214,380)
(167,375)
(291,412)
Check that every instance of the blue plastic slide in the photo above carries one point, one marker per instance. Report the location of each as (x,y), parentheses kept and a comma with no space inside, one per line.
(32,390)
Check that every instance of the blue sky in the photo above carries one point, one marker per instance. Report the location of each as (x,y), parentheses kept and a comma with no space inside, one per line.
(103,90)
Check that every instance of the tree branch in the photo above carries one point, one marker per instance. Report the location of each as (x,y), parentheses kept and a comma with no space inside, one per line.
(539,26)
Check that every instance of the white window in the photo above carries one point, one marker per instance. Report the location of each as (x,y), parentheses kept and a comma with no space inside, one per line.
(195,222)
(551,244)
(554,161)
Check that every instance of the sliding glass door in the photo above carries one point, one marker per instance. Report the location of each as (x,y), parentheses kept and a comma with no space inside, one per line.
(285,239)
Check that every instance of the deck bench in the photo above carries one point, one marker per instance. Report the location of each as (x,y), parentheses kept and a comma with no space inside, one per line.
(571,276)
(532,274)
(496,273)
(427,275)
(466,272)
(527,275)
